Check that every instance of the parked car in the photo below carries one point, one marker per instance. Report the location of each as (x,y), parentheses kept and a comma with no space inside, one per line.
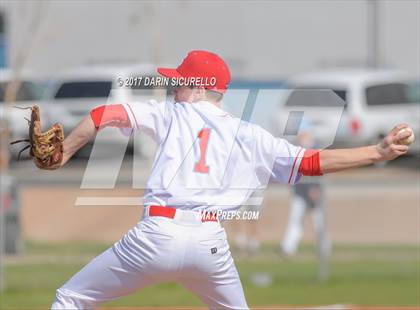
(350,107)
(73,93)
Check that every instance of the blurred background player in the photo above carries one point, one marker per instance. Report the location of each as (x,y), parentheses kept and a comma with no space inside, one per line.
(246,238)
(307,197)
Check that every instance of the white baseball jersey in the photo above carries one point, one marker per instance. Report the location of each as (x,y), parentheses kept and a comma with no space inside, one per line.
(208,159)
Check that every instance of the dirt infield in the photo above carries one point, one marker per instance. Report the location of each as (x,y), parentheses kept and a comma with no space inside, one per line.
(360,210)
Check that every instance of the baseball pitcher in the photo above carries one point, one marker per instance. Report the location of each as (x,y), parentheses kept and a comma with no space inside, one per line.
(207,160)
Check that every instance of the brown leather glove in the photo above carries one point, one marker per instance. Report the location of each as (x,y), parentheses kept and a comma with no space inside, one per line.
(46,148)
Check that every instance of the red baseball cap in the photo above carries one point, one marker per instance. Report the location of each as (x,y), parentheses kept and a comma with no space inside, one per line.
(204,68)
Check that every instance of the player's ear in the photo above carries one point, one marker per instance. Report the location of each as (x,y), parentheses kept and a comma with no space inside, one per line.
(199,93)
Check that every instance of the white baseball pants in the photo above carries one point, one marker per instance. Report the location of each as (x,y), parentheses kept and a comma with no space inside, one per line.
(294,230)
(158,249)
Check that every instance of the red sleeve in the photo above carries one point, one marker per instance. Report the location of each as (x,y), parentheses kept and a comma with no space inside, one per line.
(310,164)
(110,116)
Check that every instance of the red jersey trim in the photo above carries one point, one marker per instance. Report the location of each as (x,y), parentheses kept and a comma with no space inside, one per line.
(310,164)
(113,115)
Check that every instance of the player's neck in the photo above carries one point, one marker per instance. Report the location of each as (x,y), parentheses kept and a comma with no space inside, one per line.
(217,103)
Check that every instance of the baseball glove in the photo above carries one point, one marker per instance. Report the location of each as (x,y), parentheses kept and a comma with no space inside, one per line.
(46,148)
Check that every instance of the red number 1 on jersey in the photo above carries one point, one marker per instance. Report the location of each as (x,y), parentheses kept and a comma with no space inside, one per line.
(201,166)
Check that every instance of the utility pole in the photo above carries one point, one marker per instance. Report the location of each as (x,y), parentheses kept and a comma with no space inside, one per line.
(372,30)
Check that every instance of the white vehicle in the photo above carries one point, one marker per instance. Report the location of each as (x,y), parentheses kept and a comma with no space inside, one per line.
(28,94)
(349,107)
(73,93)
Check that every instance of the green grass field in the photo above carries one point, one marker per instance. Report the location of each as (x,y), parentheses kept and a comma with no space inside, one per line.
(358,275)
